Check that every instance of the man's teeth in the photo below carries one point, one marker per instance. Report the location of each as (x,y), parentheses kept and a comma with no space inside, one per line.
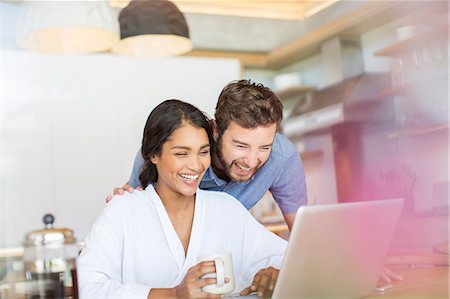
(242,167)
(189,176)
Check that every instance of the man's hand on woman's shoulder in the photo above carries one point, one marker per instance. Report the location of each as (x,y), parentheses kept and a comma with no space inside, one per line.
(121,191)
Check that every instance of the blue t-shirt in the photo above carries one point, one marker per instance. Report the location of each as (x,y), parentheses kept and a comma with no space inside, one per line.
(282,175)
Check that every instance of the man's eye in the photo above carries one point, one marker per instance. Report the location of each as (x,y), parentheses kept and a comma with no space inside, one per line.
(265,149)
(240,146)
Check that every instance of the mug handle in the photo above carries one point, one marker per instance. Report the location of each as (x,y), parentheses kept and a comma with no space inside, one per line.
(220,271)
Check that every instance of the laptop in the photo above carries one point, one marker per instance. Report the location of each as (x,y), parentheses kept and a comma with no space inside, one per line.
(337,250)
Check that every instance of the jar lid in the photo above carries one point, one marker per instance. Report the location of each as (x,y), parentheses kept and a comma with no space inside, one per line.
(49,235)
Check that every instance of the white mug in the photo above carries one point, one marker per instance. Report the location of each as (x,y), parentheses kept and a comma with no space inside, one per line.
(224,268)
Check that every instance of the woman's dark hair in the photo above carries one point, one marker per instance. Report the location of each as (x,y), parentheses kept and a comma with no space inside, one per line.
(161,123)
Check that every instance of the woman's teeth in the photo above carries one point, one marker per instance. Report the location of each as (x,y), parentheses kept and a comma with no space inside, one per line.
(189,176)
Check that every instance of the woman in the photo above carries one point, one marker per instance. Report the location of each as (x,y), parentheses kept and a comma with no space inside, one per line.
(145,244)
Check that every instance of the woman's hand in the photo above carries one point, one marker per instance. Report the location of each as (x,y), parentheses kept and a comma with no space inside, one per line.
(191,286)
(263,281)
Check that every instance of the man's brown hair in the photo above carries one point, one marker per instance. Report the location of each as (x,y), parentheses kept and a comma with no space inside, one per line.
(250,105)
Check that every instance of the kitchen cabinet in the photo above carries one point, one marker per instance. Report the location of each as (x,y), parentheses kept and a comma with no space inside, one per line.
(406,88)
(422,54)
(293,91)
(415,41)
(423,130)
(419,73)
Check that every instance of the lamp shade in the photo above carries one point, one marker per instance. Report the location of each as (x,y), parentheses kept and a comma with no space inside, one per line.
(119,3)
(152,28)
(67,26)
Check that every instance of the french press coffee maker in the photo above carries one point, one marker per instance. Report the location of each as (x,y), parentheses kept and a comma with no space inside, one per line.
(50,262)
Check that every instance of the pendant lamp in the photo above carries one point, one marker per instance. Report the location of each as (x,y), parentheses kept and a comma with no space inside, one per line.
(152,28)
(119,3)
(67,26)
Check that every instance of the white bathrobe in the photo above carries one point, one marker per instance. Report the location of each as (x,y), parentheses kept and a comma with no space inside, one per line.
(133,246)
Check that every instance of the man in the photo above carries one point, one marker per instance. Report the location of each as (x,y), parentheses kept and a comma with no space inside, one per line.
(249,157)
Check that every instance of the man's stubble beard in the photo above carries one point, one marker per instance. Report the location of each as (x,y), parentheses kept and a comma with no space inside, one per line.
(223,166)
(218,162)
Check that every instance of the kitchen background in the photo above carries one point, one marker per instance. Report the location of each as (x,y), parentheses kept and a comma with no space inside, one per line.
(364,85)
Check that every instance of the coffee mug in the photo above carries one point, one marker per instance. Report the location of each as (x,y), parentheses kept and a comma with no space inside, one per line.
(224,268)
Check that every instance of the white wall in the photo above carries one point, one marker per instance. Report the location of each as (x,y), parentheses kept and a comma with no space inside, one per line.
(71,126)
(310,69)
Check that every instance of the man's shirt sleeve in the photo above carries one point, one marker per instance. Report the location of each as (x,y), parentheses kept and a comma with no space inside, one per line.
(136,171)
(289,186)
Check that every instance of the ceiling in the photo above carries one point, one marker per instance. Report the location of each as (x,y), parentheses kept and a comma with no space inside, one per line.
(275,33)
(279,33)
(213,32)
(244,25)
(241,25)
(272,9)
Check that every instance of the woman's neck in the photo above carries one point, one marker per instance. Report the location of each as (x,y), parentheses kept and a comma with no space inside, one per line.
(180,209)
(175,202)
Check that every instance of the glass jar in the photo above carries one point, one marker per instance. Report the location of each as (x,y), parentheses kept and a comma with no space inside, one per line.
(49,263)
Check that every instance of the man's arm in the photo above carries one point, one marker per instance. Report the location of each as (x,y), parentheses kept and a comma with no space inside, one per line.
(289,188)
(289,218)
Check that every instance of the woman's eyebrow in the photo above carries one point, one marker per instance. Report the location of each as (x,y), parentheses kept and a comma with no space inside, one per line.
(187,147)
(180,147)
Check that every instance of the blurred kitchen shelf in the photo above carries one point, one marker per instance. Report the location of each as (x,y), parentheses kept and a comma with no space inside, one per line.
(418,40)
(311,154)
(411,86)
(444,212)
(417,131)
(418,259)
(11,252)
(394,91)
(277,228)
(280,229)
(287,93)
(442,248)
(271,219)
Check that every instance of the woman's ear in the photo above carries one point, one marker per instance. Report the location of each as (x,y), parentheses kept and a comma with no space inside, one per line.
(214,129)
(154,159)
